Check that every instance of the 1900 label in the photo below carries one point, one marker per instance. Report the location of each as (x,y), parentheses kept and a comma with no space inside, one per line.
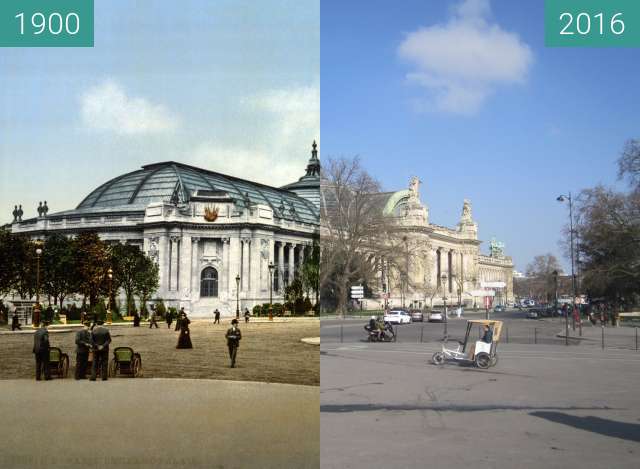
(46,23)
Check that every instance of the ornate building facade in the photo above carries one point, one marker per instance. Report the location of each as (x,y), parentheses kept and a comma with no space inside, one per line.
(212,236)
(442,264)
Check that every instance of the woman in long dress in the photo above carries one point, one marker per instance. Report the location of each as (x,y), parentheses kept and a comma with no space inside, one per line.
(184,341)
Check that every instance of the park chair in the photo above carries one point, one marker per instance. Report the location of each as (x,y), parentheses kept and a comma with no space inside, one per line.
(126,362)
(58,362)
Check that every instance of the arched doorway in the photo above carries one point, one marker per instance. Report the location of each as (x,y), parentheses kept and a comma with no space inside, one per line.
(209,283)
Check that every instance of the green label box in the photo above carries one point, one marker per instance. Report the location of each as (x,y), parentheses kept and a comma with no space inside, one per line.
(46,23)
(592,23)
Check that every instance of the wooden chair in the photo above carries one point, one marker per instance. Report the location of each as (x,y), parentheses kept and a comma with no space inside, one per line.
(125,362)
(58,362)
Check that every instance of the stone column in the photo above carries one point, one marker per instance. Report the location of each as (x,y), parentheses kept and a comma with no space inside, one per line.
(173,263)
(163,262)
(281,266)
(292,264)
(256,268)
(234,267)
(246,264)
(223,278)
(186,265)
(195,268)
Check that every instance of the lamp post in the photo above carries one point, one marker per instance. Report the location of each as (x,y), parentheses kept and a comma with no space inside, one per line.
(35,320)
(109,313)
(271,267)
(238,296)
(562,198)
(444,299)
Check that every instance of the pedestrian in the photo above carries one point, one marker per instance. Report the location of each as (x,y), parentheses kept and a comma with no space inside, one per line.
(153,320)
(233,337)
(184,340)
(216,316)
(100,340)
(181,314)
(136,319)
(246,315)
(41,351)
(169,319)
(83,347)
(15,322)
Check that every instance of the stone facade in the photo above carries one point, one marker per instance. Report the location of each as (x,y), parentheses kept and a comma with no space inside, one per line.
(443,264)
(204,230)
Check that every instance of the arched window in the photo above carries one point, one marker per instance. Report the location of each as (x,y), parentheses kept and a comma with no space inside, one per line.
(209,282)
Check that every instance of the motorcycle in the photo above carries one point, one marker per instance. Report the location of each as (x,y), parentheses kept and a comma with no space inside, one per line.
(377,335)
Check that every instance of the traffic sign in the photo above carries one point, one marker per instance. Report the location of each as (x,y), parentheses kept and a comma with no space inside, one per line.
(357,292)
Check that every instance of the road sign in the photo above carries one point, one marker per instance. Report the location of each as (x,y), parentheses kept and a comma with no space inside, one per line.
(357,292)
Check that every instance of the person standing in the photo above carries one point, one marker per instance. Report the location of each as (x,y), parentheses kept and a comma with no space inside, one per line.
(247,314)
(100,340)
(83,347)
(233,337)
(181,314)
(169,318)
(216,316)
(153,320)
(41,351)
(15,322)
(184,340)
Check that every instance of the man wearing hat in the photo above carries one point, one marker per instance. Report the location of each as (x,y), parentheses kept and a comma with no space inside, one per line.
(100,340)
(83,347)
(41,351)
(233,336)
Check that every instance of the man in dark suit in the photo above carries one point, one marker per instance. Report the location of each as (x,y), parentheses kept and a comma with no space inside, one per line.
(233,337)
(216,316)
(41,351)
(83,347)
(100,340)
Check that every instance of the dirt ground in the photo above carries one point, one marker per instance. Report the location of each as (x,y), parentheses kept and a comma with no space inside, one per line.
(269,352)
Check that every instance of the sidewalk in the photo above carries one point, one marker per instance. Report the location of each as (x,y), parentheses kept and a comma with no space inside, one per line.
(158,423)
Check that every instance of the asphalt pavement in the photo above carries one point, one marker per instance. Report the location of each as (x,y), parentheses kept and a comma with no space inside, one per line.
(385,405)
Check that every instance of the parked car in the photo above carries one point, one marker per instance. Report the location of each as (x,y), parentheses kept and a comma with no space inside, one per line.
(532,314)
(416,315)
(498,309)
(436,316)
(396,316)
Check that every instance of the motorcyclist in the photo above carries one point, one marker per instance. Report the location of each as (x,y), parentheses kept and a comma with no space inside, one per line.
(373,326)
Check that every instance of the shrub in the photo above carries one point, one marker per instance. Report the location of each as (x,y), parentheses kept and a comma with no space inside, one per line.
(277,309)
(161,309)
(257,309)
(100,311)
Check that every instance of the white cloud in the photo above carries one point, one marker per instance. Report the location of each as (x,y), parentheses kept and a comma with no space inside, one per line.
(107,107)
(277,151)
(461,62)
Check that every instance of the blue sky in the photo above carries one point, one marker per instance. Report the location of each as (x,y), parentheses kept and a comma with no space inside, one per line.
(231,86)
(510,131)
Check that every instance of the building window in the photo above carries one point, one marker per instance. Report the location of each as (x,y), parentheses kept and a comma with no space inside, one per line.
(209,282)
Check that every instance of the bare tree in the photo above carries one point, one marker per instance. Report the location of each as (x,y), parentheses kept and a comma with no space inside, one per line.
(350,226)
(542,269)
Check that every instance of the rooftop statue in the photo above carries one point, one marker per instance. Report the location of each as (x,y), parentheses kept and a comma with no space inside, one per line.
(414,188)
(466,211)
(496,248)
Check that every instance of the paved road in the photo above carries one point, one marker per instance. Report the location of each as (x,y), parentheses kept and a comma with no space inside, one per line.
(542,406)
(158,423)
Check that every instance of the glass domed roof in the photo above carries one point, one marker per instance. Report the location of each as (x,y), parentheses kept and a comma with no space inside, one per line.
(176,182)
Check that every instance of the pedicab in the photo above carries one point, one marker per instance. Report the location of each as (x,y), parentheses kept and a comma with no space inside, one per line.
(481,352)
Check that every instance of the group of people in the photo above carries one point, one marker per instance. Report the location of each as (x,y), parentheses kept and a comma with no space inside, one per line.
(90,340)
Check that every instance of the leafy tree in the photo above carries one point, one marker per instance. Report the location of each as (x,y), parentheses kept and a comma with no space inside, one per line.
(310,272)
(126,260)
(58,268)
(92,262)
(146,279)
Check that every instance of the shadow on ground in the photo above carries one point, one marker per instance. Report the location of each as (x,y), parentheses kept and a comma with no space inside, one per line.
(606,427)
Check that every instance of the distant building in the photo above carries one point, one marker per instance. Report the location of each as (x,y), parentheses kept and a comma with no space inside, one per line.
(203,229)
(444,262)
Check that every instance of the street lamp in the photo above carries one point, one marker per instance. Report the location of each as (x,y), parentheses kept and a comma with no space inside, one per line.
(271,267)
(109,314)
(444,299)
(238,296)
(35,320)
(562,198)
